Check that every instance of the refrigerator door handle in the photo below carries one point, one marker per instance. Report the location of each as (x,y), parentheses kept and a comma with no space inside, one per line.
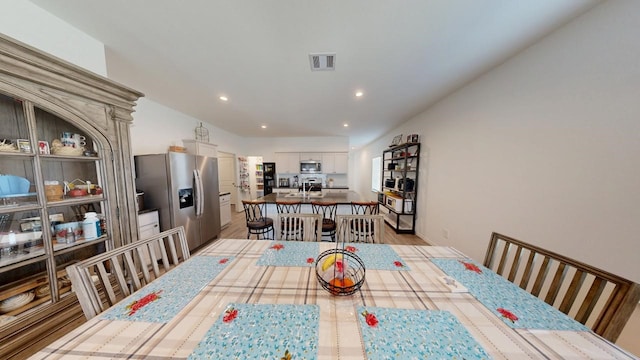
(198,192)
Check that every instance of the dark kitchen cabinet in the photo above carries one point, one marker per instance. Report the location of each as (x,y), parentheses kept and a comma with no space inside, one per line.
(400,165)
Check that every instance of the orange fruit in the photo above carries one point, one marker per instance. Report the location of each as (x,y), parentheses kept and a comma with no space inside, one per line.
(337,285)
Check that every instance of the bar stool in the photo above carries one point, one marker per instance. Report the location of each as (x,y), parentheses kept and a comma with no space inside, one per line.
(258,223)
(293,231)
(359,229)
(365,207)
(328,212)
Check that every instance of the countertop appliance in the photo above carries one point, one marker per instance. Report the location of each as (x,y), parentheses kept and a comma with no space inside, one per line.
(310,167)
(283,182)
(184,189)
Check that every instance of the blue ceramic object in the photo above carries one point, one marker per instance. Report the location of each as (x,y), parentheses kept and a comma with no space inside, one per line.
(12,185)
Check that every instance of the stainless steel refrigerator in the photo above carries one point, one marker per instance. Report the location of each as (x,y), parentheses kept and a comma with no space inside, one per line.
(184,189)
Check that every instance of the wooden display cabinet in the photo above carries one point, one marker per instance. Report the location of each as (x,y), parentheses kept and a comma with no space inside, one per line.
(41,99)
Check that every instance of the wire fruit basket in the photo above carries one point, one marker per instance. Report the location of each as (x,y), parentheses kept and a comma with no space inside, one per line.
(340,272)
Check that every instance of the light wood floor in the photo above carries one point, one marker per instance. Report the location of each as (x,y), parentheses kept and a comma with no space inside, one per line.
(238,230)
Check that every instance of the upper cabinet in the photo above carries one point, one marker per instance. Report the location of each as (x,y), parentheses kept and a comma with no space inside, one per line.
(201,148)
(335,163)
(332,162)
(64,154)
(287,163)
(311,156)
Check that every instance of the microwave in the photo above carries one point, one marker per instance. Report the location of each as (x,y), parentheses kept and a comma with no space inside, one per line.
(310,167)
(397,204)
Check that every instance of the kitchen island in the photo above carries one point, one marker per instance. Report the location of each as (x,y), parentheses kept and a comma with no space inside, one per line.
(343,200)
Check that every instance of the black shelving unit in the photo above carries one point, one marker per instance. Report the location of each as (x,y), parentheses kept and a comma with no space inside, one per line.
(400,166)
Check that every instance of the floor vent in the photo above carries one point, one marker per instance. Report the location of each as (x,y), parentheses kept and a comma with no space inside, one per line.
(322,62)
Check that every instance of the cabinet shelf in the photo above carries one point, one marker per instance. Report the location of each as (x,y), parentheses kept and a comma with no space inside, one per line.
(80,200)
(17,154)
(62,248)
(69,158)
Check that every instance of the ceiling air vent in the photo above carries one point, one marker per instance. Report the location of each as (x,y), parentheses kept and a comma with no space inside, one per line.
(322,62)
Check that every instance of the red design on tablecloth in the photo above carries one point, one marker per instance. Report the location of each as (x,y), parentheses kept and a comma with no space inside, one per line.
(398,264)
(370,318)
(139,304)
(508,314)
(230,314)
(471,267)
(277,247)
(310,260)
(223,261)
(351,249)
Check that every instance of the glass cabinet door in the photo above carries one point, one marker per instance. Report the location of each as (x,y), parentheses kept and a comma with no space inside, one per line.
(51,177)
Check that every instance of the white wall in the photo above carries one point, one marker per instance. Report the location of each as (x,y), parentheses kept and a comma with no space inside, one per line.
(156,127)
(544,148)
(30,24)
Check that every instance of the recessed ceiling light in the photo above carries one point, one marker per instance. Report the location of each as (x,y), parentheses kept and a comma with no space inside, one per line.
(264,126)
(345,125)
(359,93)
(224,98)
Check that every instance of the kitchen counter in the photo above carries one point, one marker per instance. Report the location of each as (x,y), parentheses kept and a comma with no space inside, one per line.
(341,198)
(324,187)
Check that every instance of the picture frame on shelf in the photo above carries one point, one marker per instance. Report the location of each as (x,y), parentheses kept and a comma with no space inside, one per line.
(43,147)
(397,140)
(412,138)
(23,145)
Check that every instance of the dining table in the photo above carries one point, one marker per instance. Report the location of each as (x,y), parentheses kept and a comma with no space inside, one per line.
(262,299)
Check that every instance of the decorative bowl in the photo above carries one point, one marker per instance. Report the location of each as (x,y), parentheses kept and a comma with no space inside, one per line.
(77,192)
(340,272)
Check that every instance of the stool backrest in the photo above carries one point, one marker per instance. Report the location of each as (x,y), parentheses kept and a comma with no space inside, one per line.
(365,208)
(254,210)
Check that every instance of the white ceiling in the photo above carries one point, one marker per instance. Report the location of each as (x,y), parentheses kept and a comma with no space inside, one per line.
(404,55)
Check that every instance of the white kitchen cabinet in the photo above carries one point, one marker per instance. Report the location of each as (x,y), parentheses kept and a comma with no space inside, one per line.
(342,163)
(225,209)
(335,163)
(316,156)
(201,148)
(287,163)
(148,224)
(283,190)
(335,191)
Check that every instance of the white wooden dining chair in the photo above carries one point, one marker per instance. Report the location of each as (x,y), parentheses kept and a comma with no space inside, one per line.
(360,228)
(104,279)
(300,227)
